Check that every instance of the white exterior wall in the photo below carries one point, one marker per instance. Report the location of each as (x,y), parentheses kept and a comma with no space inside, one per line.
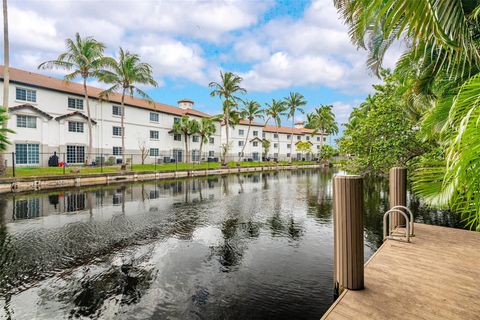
(53,135)
(235,137)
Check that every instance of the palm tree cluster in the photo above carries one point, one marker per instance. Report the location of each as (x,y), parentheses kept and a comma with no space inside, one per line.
(85,58)
(440,77)
(235,108)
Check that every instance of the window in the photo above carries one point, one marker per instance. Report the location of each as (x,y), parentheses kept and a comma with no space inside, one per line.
(211,140)
(27,208)
(240,143)
(195,138)
(255,156)
(176,120)
(26,95)
(75,154)
(117,151)
(318,138)
(154,152)
(177,137)
(255,143)
(263,134)
(299,138)
(27,153)
(318,147)
(275,145)
(74,103)
(289,146)
(154,117)
(288,155)
(117,131)
(275,155)
(117,110)
(75,126)
(211,153)
(76,202)
(255,133)
(26,121)
(153,135)
(308,138)
(178,155)
(289,136)
(195,155)
(241,132)
(324,139)
(275,136)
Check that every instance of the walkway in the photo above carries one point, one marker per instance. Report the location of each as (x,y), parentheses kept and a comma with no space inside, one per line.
(436,276)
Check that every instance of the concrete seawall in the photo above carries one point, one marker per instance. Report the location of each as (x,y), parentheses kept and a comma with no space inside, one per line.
(22,184)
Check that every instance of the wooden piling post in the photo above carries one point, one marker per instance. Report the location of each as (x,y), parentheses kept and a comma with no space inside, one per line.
(348,232)
(398,194)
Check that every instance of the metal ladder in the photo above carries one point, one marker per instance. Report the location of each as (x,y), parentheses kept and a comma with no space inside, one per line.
(387,225)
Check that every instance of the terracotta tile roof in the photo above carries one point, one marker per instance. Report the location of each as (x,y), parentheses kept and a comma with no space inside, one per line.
(74,113)
(255,124)
(287,130)
(42,81)
(31,107)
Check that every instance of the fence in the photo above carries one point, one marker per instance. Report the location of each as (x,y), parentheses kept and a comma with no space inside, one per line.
(31,162)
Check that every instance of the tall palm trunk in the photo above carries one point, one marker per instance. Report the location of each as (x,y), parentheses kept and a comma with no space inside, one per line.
(89,122)
(246,140)
(187,158)
(227,124)
(201,147)
(6,77)
(122,124)
(291,137)
(278,144)
(321,141)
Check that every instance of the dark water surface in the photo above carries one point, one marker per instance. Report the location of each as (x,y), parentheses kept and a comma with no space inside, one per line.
(254,246)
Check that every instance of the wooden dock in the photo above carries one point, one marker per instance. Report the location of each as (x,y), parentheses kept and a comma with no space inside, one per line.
(436,276)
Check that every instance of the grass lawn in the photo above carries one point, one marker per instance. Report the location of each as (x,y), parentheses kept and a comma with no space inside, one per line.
(42,171)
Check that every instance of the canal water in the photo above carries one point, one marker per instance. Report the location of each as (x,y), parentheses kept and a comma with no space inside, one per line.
(252,246)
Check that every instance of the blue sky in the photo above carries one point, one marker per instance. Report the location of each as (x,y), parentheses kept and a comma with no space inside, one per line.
(276,46)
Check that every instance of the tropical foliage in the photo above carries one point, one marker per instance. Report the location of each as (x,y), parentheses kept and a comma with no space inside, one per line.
(275,111)
(379,134)
(186,127)
(83,58)
(250,111)
(206,128)
(294,102)
(304,147)
(322,120)
(228,89)
(125,75)
(439,81)
(4,142)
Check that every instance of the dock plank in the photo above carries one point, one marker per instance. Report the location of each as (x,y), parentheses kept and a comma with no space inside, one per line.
(434,277)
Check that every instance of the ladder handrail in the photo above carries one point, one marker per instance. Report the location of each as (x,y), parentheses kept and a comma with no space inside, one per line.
(386,215)
(411,217)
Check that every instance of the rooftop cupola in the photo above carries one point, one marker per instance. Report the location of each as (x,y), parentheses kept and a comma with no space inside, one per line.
(299,124)
(185,104)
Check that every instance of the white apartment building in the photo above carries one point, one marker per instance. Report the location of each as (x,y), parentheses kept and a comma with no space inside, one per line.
(279,138)
(49,115)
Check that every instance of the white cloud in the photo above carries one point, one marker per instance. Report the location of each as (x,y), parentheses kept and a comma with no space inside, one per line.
(312,50)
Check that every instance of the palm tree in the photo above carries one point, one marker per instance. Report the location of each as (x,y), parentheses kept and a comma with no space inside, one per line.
(3,130)
(125,76)
(275,111)
(325,121)
(187,127)
(84,58)
(6,80)
(206,128)
(294,102)
(250,111)
(227,89)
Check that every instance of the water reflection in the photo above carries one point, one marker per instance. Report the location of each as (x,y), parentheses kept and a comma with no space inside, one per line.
(214,248)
